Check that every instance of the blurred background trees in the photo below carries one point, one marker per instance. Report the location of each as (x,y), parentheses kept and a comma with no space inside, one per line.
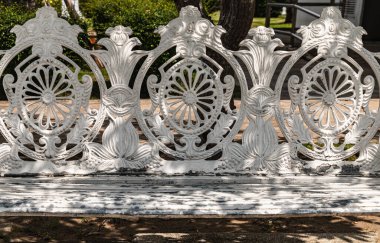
(142,16)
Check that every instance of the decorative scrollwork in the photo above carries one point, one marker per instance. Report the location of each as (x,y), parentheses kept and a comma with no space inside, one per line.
(50,124)
(188,98)
(368,160)
(261,57)
(48,24)
(331,97)
(9,159)
(119,53)
(334,33)
(329,118)
(48,118)
(260,152)
(120,101)
(261,100)
(48,97)
(191,26)
(120,148)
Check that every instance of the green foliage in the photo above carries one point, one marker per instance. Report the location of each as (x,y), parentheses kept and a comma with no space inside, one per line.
(142,16)
(9,17)
(18,14)
(276,23)
(57,4)
(211,5)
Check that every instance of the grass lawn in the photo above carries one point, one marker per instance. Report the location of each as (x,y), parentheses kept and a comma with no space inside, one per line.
(278,22)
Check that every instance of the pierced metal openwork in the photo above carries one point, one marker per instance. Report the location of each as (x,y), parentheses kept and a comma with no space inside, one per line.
(259,110)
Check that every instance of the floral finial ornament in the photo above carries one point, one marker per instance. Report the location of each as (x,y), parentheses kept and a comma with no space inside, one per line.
(191,26)
(332,27)
(119,34)
(46,24)
(261,35)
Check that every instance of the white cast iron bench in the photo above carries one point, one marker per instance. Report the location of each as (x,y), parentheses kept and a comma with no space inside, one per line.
(302,136)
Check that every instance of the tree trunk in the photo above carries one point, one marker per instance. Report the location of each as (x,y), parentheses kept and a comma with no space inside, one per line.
(236,17)
(31,4)
(182,3)
(289,15)
(289,12)
(71,9)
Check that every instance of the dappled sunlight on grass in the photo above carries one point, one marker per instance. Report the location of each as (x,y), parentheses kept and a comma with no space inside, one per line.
(276,23)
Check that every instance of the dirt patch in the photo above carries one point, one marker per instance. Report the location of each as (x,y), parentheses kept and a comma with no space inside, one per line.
(345,228)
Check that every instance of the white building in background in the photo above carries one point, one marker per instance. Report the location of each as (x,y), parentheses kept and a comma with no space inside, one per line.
(65,12)
(353,11)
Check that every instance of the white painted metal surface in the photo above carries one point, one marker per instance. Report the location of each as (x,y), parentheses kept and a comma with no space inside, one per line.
(189,127)
(189,195)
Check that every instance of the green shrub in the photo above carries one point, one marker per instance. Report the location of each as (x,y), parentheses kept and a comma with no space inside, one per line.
(9,17)
(18,14)
(211,5)
(142,16)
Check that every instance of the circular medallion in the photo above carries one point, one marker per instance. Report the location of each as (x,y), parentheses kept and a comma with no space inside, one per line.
(47,95)
(331,97)
(191,97)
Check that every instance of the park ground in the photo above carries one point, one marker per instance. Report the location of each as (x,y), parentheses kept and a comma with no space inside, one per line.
(310,228)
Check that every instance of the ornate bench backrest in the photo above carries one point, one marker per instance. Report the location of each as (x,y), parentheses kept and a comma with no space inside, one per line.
(188,124)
